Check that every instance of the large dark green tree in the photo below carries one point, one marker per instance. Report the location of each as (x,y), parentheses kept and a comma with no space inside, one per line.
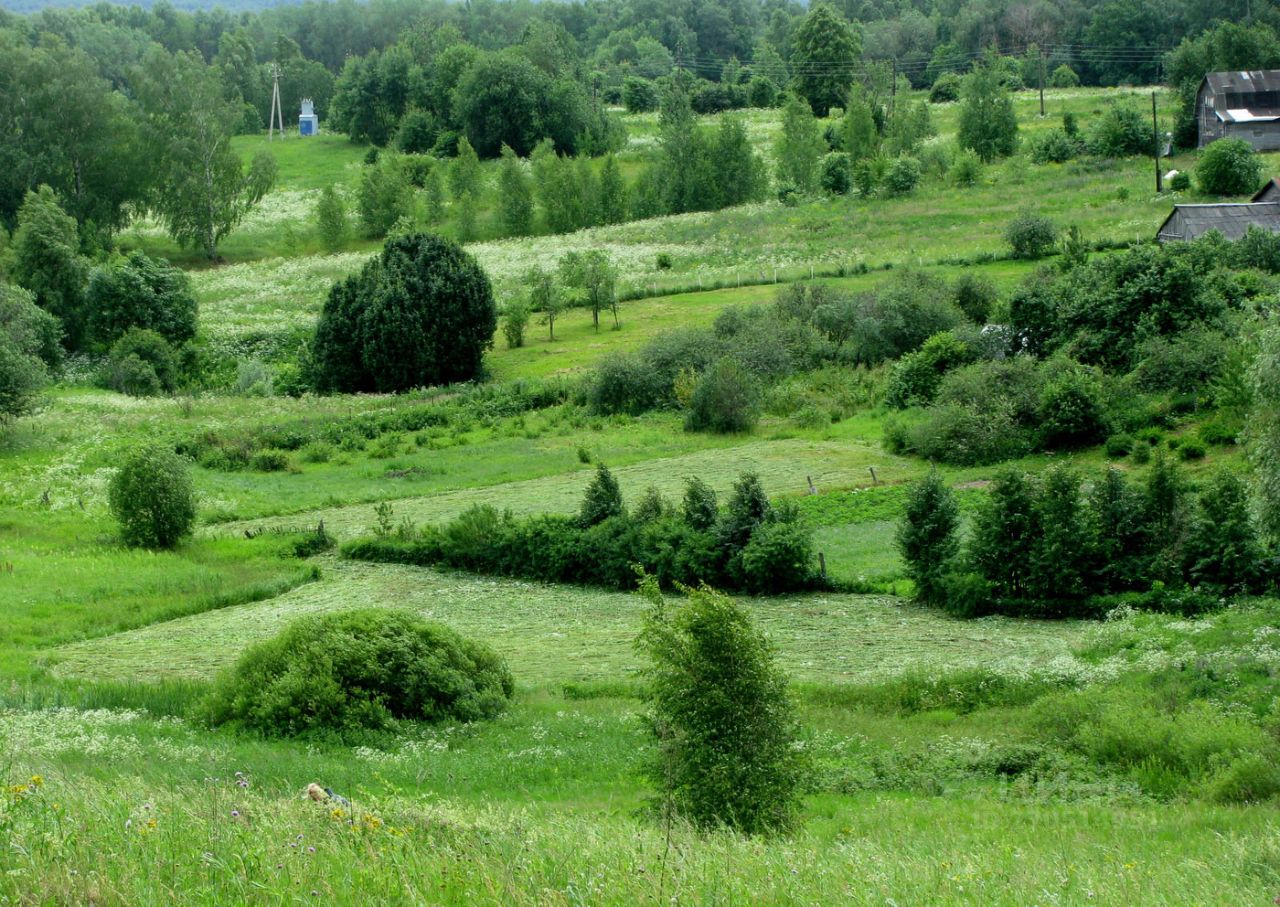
(824,51)
(421,314)
(62,125)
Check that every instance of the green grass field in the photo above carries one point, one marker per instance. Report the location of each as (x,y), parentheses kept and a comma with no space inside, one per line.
(936,778)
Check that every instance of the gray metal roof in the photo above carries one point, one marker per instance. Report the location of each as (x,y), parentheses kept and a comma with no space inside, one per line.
(1244,81)
(1231,220)
(1270,192)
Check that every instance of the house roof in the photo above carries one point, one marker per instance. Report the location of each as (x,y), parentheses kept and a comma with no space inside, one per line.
(1269,192)
(1244,81)
(1251,115)
(1231,220)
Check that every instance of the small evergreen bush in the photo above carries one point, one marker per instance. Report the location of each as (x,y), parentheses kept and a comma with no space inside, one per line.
(603,498)
(927,537)
(360,670)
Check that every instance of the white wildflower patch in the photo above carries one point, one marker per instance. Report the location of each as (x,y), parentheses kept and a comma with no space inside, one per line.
(109,735)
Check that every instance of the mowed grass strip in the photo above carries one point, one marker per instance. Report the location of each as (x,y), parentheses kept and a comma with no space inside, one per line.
(560,634)
(784,466)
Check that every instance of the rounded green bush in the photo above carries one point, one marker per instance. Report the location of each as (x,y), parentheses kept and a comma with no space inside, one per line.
(778,558)
(1119,445)
(725,400)
(1229,167)
(152,498)
(356,670)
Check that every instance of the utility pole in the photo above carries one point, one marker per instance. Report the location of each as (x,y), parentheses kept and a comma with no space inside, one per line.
(893,89)
(277,115)
(1040,54)
(1155,139)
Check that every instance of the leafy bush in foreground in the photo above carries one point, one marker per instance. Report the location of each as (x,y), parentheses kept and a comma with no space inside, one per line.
(357,670)
(720,711)
(152,498)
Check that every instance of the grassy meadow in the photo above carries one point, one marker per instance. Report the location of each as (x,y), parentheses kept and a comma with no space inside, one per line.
(996,761)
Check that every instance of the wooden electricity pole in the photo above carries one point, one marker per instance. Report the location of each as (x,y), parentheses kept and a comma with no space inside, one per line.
(1040,54)
(1155,137)
(277,115)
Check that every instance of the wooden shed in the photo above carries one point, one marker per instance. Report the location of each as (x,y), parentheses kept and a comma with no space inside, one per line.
(1187,222)
(1240,105)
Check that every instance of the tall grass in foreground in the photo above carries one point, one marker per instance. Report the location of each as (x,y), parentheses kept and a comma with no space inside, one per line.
(223,841)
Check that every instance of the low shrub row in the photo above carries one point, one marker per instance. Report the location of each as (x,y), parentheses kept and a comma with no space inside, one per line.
(750,545)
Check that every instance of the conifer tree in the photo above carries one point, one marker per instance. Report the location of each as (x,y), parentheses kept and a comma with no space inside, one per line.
(824,50)
(927,538)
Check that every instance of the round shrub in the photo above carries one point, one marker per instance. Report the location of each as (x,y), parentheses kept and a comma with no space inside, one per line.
(1191,449)
(1072,410)
(966,168)
(358,670)
(725,399)
(1064,77)
(130,375)
(1250,778)
(140,292)
(1119,445)
(152,498)
(837,173)
(32,330)
(902,177)
(624,383)
(420,314)
(1228,167)
(639,95)
(945,88)
(141,364)
(1180,181)
(778,558)
(1031,236)
(1121,131)
(976,296)
(1052,146)
(417,133)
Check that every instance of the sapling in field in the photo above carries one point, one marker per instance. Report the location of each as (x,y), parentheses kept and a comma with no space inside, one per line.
(719,708)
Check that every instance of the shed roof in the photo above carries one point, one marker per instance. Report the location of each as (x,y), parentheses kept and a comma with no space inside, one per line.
(1270,192)
(1244,81)
(1231,219)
